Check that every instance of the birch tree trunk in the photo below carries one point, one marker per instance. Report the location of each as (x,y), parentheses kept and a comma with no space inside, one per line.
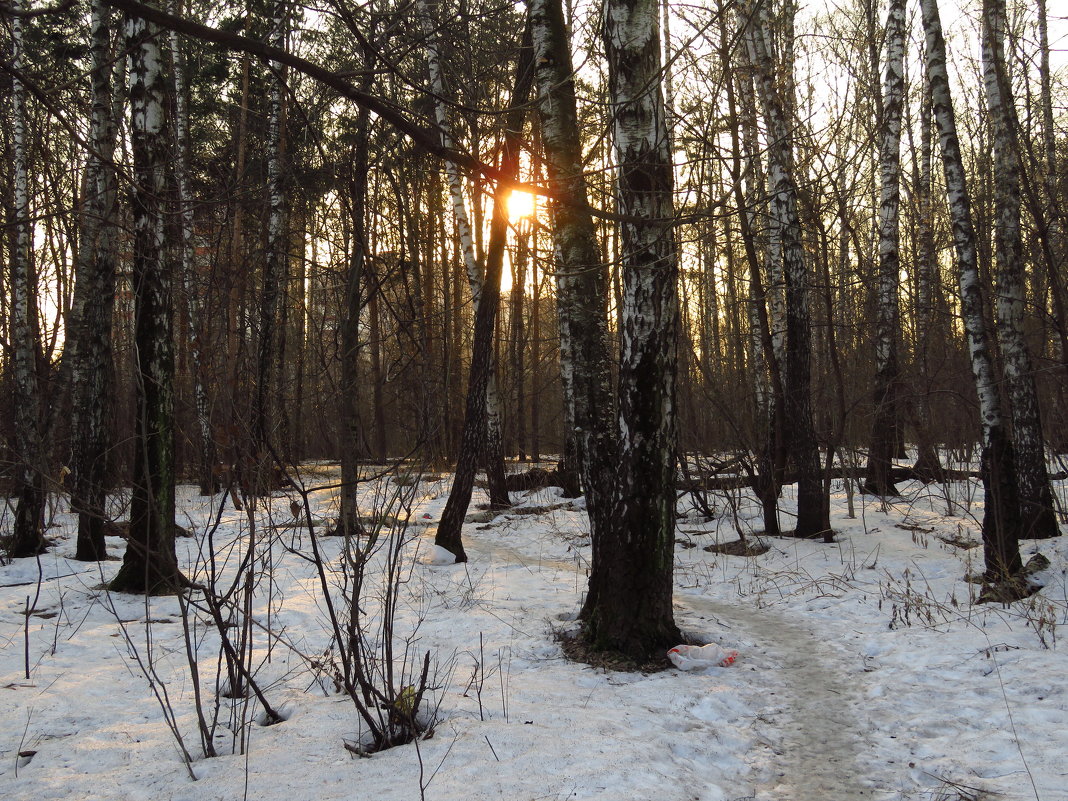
(1037,518)
(206,475)
(493,446)
(27,535)
(886,417)
(263,418)
(764,355)
(348,523)
(472,438)
(812,506)
(150,565)
(928,467)
(630,611)
(581,281)
(1055,215)
(1001,516)
(94,296)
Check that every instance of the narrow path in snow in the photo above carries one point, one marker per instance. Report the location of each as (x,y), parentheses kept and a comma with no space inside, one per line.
(809,734)
(808,728)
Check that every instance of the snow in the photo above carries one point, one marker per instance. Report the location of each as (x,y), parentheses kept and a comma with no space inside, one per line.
(865,671)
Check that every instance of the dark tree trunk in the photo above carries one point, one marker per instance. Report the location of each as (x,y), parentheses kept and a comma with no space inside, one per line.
(630,611)
(94,294)
(472,439)
(264,416)
(582,286)
(150,565)
(27,536)
(928,466)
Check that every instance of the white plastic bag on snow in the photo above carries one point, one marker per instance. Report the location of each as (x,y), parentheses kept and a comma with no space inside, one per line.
(694,657)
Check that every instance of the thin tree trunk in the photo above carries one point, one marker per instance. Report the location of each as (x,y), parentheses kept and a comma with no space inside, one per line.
(206,475)
(812,507)
(1001,521)
(582,283)
(518,344)
(236,297)
(94,296)
(928,466)
(493,444)
(27,534)
(472,440)
(766,369)
(348,519)
(886,417)
(263,418)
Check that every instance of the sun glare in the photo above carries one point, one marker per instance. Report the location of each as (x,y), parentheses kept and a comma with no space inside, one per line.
(520,204)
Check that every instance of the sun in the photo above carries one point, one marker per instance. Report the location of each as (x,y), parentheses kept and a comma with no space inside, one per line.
(520,204)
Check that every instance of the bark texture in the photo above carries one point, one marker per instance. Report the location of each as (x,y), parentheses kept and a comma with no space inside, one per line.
(1001,515)
(94,295)
(150,565)
(473,436)
(265,418)
(813,518)
(206,473)
(885,421)
(493,444)
(27,536)
(581,281)
(1037,517)
(630,611)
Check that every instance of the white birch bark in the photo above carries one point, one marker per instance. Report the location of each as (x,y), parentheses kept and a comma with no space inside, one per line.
(634,612)
(885,418)
(1036,498)
(188,266)
(581,281)
(1054,214)
(1000,521)
(459,207)
(150,564)
(812,518)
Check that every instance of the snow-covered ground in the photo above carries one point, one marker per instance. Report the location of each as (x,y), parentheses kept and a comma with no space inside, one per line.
(865,669)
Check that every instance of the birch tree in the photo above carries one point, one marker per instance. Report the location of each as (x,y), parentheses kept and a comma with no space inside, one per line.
(812,509)
(883,443)
(1001,515)
(765,348)
(493,444)
(150,564)
(630,611)
(927,467)
(1037,517)
(194,306)
(274,265)
(94,296)
(472,438)
(581,283)
(354,299)
(27,535)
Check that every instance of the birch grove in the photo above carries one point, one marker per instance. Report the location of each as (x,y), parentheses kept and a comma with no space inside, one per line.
(743,288)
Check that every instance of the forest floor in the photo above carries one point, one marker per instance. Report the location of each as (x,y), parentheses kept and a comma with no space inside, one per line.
(865,669)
